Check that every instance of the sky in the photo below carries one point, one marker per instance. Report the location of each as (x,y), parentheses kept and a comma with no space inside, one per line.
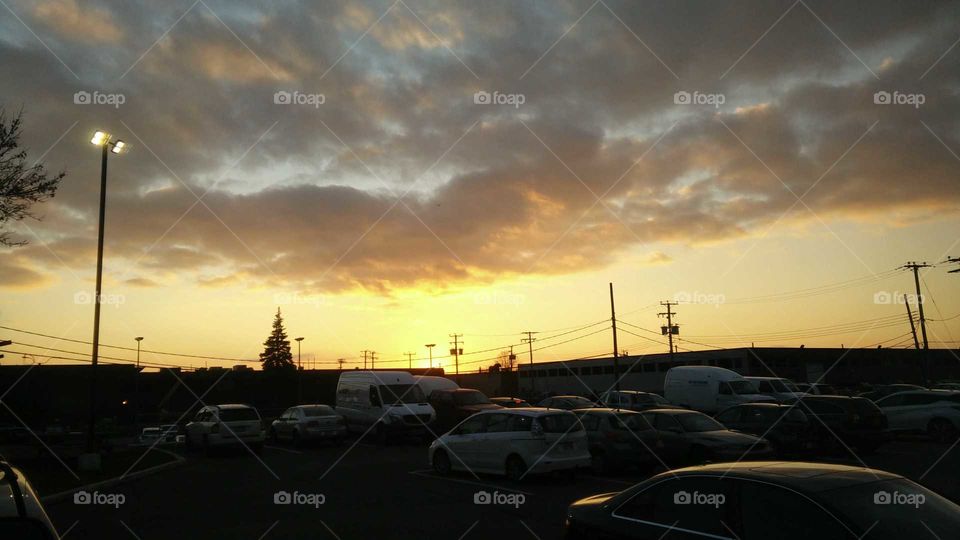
(391,173)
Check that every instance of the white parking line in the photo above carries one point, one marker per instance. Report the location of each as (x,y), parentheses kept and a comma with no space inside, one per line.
(424,473)
(283,449)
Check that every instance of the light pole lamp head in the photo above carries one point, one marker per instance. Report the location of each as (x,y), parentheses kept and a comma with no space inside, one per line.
(298,339)
(139,338)
(102,138)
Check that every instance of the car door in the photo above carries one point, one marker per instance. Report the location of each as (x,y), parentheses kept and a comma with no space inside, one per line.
(681,507)
(897,411)
(767,510)
(674,445)
(730,418)
(495,444)
(465,442)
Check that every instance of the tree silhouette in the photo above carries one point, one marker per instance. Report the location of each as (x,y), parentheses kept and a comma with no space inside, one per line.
(276,354)
(21,185)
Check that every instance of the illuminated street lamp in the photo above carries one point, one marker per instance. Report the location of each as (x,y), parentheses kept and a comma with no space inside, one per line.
(107,144)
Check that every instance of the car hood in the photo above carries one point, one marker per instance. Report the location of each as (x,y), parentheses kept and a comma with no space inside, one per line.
(725,437)
(594,500)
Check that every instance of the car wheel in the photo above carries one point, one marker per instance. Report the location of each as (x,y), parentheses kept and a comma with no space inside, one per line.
(441,462)
(942,431)
(516,469)
(598,462)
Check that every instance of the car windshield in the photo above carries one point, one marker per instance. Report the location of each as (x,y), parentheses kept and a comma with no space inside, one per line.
(577,402)
(791,386)
(904,505)
(470,397)
(629,422)
(318,410)
(560,423)
(743,387)
(397,394)
(238,415)
(698,422)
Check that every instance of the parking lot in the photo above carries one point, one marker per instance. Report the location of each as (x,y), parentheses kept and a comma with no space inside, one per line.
(361,490)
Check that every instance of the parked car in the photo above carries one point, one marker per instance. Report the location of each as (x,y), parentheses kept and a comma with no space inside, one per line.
(619,438)
(760,501)
(567,403)
(699,438)
(513,442)
(841,421)
(169,432)
(453,406)
(818,389)
(225,425)
(429,383)
(882,391)
(509,402)
(308,423)
(386,403)
(780,389)
(786,427)
(954,386)
(21,514)
(149,435)
(635,401)
(935,412)
(709,389)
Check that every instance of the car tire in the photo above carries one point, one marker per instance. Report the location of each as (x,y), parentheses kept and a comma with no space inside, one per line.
(441,463)
(515,468)
(942,431)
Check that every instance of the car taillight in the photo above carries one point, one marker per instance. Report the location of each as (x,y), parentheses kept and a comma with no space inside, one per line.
(215,428)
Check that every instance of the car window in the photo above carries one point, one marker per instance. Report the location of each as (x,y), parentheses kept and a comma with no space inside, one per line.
(318,410)
(472,425)
(560,423)
(591,422)
(689,504)
(891,401)
(822,407)
(770,511)
(238,415)
(922,399)
(697,423)
(665,422)
(498,423)
(629,422)
(520,422)
(730,415)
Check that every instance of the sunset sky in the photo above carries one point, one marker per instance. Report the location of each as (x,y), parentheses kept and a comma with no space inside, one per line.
(389,173)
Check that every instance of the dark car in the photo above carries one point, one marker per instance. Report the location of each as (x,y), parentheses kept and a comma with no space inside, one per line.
(635,401)
(455,405)
(700,438)
(509,402)
(786,427)
(619,439)
(841,422)
(882,391)
(22,515)
(766,500)
(567,403)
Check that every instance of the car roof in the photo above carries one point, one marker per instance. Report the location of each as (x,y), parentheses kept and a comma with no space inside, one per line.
(751,378)
(566,397)
(605,410)
(225,406)
(802,476)
(671,411)
(525,411)
(763,404)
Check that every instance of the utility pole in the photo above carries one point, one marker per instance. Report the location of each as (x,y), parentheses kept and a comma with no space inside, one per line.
(364,358)
(136,384)
(616,354)
(340,363)
(913,327)
(670,329)
(915,266)
(430,347)
(409,359)
(529,341)
(373,360)
(456,351)
(299,372)
(953,260)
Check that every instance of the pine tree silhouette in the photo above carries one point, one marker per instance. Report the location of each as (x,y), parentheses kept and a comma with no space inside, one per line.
(276,349)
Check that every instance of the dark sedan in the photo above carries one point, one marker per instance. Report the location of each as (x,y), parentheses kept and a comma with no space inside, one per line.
(455,405)
(786,427)
(620,439)
(764,500)
(509,402)
(700,438)
(841,422)
(567,403)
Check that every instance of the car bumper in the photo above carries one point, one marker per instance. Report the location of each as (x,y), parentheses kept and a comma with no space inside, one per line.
(324,433)
(236,439)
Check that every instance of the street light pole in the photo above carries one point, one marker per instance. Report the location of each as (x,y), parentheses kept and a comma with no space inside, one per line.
(136,385)
(430,347)
(299,374)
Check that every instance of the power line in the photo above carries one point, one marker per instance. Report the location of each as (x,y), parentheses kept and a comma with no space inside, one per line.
(815,291)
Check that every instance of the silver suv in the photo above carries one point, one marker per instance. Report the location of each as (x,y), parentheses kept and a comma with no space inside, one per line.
(225,425)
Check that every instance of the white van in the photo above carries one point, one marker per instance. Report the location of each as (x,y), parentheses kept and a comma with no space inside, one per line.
(429,383)
(709,389)
(386,403)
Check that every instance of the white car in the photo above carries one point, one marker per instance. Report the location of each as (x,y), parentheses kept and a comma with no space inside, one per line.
(308,422)
(21,514)
(935,412)
(225,425)
(780,389)
(513,442)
